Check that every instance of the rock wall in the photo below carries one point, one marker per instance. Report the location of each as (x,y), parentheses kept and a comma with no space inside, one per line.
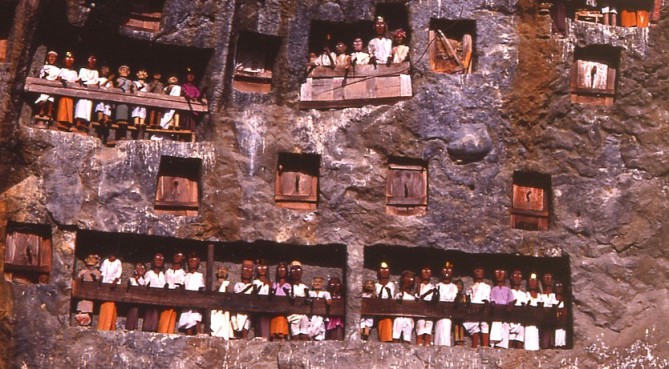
(608,168)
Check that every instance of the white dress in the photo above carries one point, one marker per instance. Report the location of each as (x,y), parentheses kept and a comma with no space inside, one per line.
(299,323)
(49,72)
(220,320)
(532,331)
(442,330)
(189,318)
(169,114)
(424,326)
(317,322)
(111,270)
(139,111)
(480,291)
(403,326)
(83,108)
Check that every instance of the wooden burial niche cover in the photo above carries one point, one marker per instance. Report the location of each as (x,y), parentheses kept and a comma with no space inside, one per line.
(254,61)
(593,75)
(406,187)
(296,184)
(27,251)
(178,191)
(451,45)
(145,15)
(530,201)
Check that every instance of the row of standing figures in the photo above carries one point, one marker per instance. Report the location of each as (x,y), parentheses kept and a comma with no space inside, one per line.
(445,332)
(77,116)
(228,325)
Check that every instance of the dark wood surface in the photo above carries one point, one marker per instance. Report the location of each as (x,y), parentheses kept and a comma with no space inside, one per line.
(367,70)
(59,88)
(202,300)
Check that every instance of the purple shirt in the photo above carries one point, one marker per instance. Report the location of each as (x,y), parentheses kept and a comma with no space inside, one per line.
(501,295)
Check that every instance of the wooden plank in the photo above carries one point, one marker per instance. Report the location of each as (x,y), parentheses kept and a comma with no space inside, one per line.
(338,85)
(405,86)
(529,198)
(366,70)
(356,88)
(460,311)
(387,86)
(321,90)
(39,85)
(352,103)
(203,300)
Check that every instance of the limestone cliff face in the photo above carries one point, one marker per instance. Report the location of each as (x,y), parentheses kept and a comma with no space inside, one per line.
(608,168)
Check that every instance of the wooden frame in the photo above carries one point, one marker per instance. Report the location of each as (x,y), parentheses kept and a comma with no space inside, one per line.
(361,85)
(145,15)
(28,252)
(593,75)
(296,181)
(449,55)
(530,202)
(177,187)
(254,61)
(406,189)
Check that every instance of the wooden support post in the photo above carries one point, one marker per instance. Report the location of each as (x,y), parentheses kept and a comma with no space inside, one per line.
(209,285)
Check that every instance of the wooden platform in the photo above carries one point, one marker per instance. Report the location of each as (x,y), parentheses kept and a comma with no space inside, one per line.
(357,86)
(60,88)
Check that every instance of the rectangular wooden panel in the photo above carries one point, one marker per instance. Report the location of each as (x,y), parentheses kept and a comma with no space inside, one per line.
(3,50)
(406,187)
(592,75)
(321,89)
(529,198)
(388,87)
(296,186)
(23,249)
(177,193)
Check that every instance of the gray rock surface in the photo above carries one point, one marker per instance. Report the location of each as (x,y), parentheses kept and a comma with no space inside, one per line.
(608,168)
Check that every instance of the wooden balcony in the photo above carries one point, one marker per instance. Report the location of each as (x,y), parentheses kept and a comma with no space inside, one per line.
(356,86)
(147,99)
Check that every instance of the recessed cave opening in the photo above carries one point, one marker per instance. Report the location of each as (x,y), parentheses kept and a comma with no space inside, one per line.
(179,186)
(594,75)
(406,186)
(296,183)
(402,258)
(531,200)
(452,45)
(254,62)
(28,252)
(7,9)
(326,261)
(114,50)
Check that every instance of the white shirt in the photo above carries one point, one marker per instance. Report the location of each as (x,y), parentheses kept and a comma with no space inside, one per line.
(155,280)
(194,281)
(478,292)
(447,291)
(380,48)
(424,288)
(111,270)
(175,277)
(385,292)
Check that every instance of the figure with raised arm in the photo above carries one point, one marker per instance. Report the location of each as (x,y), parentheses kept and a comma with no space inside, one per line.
(400,51)
(358,56)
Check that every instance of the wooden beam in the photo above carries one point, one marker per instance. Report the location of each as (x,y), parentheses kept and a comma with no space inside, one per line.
(202,300)
(60,88)
(365,70)
(352,103)
(528,315)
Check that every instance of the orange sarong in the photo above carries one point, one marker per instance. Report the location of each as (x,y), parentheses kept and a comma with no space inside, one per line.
(278,325)
(167,321)
(65,110)
(385,328)
(107,318)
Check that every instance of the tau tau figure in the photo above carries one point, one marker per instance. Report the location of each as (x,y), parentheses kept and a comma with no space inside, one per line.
(500,294)
(140,85)
(241,323)
(220,320)
(111,271)
(403,326)
(317,322)
(299,323)
(517,330)
(194,281)
(384,290)
(334,330)
(65,116)
(479,293)
(447,291)
(425,291)
(281,287)
(380,47)
(89,274)
(122,113)
(88,77)
(137,279)
(366,323)
(154,278)
(358,56)
(262,286)
(400,51)
(170,118)
(49,72)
